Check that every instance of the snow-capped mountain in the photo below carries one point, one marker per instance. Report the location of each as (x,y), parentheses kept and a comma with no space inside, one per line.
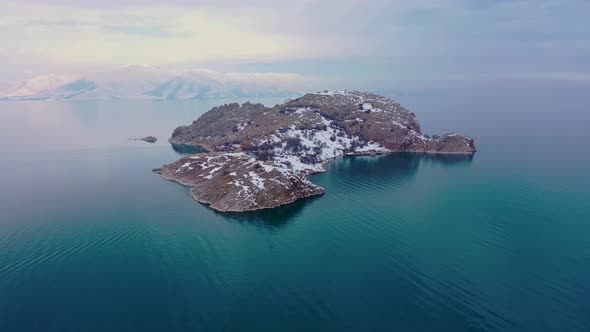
(147,82)
(43,86)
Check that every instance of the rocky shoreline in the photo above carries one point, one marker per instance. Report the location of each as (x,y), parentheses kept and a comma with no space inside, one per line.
(259,157)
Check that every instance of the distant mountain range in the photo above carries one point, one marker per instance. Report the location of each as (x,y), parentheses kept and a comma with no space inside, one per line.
(146,82)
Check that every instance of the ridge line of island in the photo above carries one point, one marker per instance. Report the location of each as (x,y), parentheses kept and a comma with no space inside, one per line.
(256,157)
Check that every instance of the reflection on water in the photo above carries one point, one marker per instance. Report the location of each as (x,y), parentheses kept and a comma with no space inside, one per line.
(357,171)
(448,159)
(272,219)
(393,165)
(187,149)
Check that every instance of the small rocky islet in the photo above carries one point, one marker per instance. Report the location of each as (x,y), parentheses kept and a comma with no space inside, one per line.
(149,139)
(258,157)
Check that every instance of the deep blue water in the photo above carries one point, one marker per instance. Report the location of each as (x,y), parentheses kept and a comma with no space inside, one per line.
(92,240)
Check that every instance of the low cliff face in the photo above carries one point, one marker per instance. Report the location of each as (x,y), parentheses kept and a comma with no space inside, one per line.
(258,157)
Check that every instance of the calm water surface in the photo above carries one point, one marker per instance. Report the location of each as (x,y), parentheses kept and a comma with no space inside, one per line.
(92,240)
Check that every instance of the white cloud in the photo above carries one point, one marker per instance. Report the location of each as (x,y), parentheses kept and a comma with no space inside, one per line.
(154,35)
(420,38)
(159,34)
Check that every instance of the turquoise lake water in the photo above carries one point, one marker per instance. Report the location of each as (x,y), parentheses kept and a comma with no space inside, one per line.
(92,240)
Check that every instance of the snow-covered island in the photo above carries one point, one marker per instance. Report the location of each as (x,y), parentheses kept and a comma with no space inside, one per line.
(258,157)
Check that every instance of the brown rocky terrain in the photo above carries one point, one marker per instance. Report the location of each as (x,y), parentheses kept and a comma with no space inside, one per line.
(238,182)
(258,157)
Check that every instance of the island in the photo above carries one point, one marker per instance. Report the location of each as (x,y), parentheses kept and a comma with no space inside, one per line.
(149,139)
(257,157)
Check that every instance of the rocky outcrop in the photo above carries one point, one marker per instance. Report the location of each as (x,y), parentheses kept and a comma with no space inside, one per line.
(239,182)
(149,139)
(258,157)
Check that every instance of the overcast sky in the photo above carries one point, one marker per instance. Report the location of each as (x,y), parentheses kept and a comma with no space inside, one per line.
(368,42)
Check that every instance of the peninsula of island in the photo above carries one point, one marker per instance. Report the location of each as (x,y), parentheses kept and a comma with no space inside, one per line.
(258,157)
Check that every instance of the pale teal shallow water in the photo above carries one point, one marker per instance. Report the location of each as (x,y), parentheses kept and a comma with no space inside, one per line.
(91,240)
